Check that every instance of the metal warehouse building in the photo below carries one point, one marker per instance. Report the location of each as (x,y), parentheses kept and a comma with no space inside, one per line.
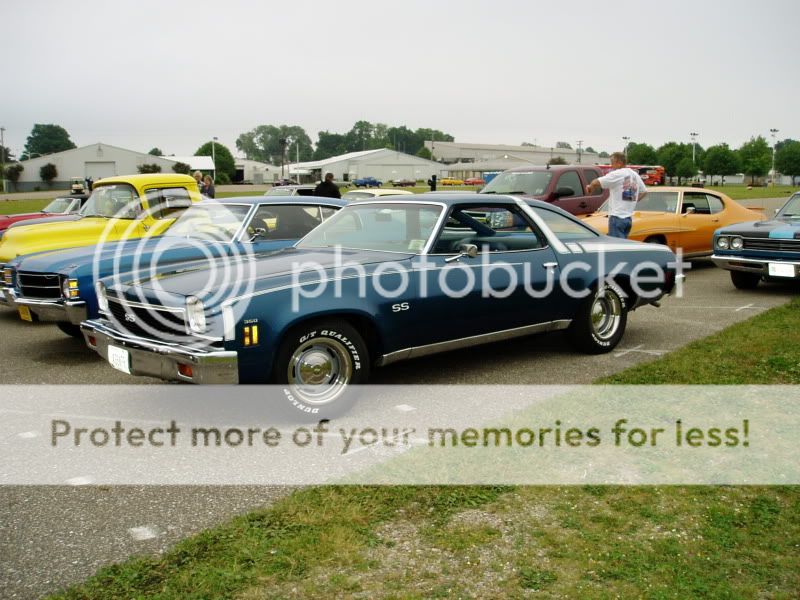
(97,161)
(383,164)
(456,152)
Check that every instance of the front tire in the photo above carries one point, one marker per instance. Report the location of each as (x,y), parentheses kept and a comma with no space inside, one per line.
(600,322)
(319,363)
(70,329)
(745,281)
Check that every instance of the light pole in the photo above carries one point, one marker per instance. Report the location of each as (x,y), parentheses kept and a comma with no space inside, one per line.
(214,155)
(580,144)
(693,135)
(626,139)
(773,133)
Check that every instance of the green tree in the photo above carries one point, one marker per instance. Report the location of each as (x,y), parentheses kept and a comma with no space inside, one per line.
(183,168)
(425,153)
(787,159)
(557,160)
(48,173)
(329,144)
(641,154)
(155,151)
(565,145)
(670,154)
(591,150)
(224,163)
(263,143)
(13,172)
(46,139)
(403,139)
(359,137)
(685,169)
(720,160)
(424,134)
(149,168)
(603,154)
(6,155)
(755,156)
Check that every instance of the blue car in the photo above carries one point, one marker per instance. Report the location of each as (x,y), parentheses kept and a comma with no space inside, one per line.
(59,286)
(761,249)
(367,182)
(379,282)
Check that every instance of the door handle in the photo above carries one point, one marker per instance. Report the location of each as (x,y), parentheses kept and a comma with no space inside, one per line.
(550,265)
(583,205)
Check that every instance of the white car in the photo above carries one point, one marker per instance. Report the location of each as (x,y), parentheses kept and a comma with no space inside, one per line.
(374,193)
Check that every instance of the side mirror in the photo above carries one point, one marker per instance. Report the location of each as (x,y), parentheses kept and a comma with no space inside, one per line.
(777,210)
(468,250)
(690,210)
(257,233)
(563,192)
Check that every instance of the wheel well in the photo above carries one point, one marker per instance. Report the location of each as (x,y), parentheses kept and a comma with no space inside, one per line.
(624,283)
(656,239)
(363,324)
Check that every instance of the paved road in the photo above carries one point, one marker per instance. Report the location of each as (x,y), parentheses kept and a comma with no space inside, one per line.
(53,536)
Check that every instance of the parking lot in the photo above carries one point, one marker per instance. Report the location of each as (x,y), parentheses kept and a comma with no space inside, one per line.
(53,536)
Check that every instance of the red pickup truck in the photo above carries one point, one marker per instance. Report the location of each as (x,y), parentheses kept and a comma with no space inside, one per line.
(58,209)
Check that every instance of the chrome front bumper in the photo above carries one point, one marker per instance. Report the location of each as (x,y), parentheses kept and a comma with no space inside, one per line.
(162,360)
(752,265)
(6,296)
(73,311)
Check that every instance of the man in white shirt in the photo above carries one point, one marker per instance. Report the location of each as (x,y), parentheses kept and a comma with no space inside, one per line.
(625,189)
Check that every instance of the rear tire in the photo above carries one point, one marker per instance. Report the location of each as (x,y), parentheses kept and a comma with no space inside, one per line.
(70,329)
(656,239)
(600,322)
(319,364)
(745,281)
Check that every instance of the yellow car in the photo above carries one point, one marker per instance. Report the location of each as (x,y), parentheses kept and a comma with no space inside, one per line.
(130,206)
(451,181)
(680,217)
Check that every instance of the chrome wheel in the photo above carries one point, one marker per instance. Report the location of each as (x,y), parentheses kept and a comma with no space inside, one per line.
(319,370)
(606,314)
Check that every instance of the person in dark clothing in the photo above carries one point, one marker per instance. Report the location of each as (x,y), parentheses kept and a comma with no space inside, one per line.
(327,188)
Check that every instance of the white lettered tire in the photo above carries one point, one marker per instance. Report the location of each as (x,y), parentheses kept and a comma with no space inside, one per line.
(600,321)
(318,366)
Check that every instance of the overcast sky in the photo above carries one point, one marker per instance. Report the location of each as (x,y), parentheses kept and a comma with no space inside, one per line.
(174,74)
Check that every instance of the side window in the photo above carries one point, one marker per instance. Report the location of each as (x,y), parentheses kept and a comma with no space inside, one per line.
(327,212)
(571,180)
(564,228)
(494,228)
(168,203)
(714,204)
(589,176)
(698,201)
(289,221)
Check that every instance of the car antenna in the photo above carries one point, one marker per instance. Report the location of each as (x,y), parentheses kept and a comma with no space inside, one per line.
(548,166)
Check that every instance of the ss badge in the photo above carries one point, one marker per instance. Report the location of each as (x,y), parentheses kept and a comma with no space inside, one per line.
(400,307)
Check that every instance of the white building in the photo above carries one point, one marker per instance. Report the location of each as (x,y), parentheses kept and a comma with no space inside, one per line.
(96,161)
(253,171)
(383,164)
(457,152)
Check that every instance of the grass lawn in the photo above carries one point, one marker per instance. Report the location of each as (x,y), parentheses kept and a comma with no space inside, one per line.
(13,207)
(590,541)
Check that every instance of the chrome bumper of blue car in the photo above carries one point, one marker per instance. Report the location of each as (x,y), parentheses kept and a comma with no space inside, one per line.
(171,362)
(753,265)
(72,311)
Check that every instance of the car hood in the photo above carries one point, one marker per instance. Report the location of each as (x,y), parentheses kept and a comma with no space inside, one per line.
(6,220)
(27,239)
(263,273)
(775,229)
(45,218)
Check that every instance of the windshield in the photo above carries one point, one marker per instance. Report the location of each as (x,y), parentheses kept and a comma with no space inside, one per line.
(279,191)
(791,210)
(210,221)
(530,183)
(653,202)
(59,205)
(119,201)
(383,227)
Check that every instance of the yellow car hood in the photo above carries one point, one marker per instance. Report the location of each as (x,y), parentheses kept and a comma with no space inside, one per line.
(87,231)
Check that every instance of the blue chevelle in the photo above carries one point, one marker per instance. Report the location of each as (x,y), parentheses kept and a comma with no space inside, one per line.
(382,281)
(59,286)
(761,249)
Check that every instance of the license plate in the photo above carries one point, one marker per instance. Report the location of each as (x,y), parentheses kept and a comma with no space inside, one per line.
(779,270)
(25,313)
(120,359)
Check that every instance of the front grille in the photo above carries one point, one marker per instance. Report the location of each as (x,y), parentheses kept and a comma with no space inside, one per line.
(779,245)
(39,285)
(147,321)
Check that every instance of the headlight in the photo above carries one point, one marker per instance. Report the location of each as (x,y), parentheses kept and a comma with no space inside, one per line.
(196,314)
(8,276)
(102,297)
(736,243)
(722,243)
(69,288)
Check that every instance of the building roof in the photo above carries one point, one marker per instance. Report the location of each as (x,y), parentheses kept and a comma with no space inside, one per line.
(197,163)
(355,156)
